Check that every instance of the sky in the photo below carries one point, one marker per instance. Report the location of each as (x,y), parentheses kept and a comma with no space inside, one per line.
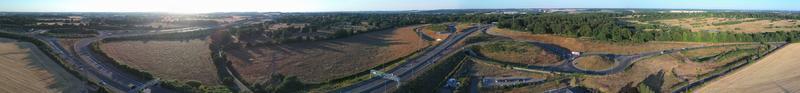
(204,6)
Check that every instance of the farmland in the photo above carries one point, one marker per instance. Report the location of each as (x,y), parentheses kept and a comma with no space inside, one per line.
(594,62)
(440,31)
(25,69)
(588,45)
(182,60)
(775,72)
(664,72)
(489,70)
(319,61)
(519,52)
(739,25)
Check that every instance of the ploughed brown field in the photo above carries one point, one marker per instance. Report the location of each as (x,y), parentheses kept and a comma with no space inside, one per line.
(26,69)
(775,73)
(181,60)
(320,61)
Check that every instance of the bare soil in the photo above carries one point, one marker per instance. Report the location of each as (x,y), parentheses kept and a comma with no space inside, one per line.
(25,69)
(675,70)
(772,74)
(182,60)
(526,54)
(320,61)
(594,63)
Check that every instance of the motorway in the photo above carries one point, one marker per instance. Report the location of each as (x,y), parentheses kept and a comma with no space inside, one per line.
(408,70)
(84,69)
(92,67)
(103,67)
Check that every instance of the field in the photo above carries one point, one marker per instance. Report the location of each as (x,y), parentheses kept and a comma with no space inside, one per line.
(492,70)
(772,74)
(431,31)
(435,35)
(68,42)
(182,60)
(586,45)
(594,62)
(25,69)
(664,72)
(740,25)
(519,52)
(320,61)
(481,69)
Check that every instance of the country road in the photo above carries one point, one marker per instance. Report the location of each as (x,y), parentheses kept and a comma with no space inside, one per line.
(568,65)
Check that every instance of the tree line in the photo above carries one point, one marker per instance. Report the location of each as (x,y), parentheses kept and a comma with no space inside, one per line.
(611,27)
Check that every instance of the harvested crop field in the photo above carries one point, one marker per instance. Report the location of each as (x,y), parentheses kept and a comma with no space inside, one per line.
(519,52)
(773,74)
(634,75)
(435,35)
(492,70)
(740,25)
(25,69)
(667,72)
(585,45)
(481,69)
(182,60)
(320,61)
(594,62)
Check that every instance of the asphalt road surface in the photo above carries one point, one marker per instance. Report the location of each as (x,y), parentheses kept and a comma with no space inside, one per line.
(408,69)
(568,65)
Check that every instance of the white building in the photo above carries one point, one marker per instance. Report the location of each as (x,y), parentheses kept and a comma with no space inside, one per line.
(685,11)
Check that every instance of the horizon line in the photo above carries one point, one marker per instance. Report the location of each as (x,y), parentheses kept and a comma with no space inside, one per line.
(400,10)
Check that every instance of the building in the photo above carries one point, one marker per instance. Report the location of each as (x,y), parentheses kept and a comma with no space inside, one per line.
(685,11)
(74,18)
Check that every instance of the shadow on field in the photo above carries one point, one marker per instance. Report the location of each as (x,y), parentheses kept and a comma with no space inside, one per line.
(377,38)
(145,41)
(655,81)
(62,81)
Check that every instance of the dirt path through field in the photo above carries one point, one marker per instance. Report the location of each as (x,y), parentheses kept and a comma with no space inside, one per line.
(776,73)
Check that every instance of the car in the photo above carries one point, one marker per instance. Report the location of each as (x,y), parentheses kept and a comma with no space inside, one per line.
(103,83)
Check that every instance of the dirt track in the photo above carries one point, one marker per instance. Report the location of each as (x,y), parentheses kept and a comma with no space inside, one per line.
(776,73)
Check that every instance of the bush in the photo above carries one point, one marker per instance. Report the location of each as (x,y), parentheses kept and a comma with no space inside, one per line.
(136,72)
(193,86)
(428,81)
(281,84)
